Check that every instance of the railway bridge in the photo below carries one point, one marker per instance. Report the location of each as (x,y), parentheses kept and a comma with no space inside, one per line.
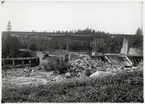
(94,38)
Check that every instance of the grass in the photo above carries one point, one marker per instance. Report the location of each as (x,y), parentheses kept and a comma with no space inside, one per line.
(124,87)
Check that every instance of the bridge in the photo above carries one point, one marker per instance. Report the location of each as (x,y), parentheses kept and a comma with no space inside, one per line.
(119,58)
(128,38)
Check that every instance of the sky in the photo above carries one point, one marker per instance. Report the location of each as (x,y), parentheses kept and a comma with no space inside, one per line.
(112,17)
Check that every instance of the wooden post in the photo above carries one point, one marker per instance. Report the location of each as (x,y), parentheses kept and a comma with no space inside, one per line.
(95,46)
(22,62)
(3,62)
(30,61)
(13,63)
(60,60)
(137,60)
(60,45)
(134,60)
(69,57)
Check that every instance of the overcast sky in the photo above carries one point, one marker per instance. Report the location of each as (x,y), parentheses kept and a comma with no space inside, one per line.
(122,18)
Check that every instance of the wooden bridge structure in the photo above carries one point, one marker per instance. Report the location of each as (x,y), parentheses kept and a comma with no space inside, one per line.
(67,36)
(71,36)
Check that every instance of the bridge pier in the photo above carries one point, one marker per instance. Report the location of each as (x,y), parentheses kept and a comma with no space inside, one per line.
(125,45)
(67,44)
(22,62)
(30,62)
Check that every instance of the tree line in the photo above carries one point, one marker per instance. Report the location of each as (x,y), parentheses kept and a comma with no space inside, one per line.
(11,44)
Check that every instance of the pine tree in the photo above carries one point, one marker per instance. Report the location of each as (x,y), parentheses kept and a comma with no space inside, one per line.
(139,32)
(9,27)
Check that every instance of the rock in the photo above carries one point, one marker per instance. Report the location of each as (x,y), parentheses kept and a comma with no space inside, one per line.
(85,63)
(26,69)
(58,78)
(81,75)
(95,74)
(100,74)
(55,72)
(68,75)
(39,67)
(108,69)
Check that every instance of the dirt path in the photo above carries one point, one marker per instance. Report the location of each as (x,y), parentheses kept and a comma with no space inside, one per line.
(22,77)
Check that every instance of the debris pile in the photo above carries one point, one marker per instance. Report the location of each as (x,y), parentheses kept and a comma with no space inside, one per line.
(82,65)
(49,65)
(139,67)
(85,66)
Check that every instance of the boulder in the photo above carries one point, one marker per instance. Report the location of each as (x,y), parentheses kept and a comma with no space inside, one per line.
(81,74)
(100,74)
(58,78)
(68,75)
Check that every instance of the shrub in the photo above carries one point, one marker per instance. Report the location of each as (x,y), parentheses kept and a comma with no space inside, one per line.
(55,65)
(49,66)
(63,67)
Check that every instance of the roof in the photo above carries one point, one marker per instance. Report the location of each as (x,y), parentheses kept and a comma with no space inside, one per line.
(45,56)
(135,52)
(119,60)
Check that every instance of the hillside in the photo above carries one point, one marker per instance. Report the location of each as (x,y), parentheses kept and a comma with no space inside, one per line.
(124,87)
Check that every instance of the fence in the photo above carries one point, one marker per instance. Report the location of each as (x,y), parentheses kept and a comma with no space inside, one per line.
(20,62)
